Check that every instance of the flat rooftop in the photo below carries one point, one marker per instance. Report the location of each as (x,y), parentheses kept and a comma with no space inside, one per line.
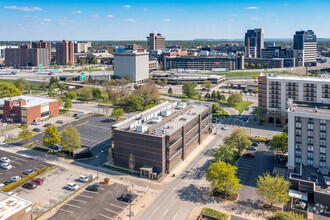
(30,100)
(323,112)
(163,119)
(10,204)
(307,79)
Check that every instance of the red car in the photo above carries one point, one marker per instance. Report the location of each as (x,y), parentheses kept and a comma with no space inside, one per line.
(38,181)
(248,155)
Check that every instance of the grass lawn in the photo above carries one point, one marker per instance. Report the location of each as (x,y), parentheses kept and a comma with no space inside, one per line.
(242,106)
(218,114)
(64,111)
(84,70)
(215,213)
(252,73)
(11,140)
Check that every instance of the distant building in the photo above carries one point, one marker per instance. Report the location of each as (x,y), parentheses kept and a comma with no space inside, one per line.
(44,44)
(82,47)
(64,52)
(254,42)
(13,207)
(26,109)
(305,48)
(231,48)
(134,64)
(26,56)
(155,42)
(173,79)
(3,48)
(132,47)
(269,44)
(269,63)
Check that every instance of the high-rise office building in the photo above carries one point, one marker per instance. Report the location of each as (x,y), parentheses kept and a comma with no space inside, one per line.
(43,44)
(304,45)
(155,42)
(254,42)
(64,52)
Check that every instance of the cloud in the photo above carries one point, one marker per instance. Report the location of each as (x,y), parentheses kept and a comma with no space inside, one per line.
(145,9)
(77,12)
(47,20)
(127,6)
(252,8)
(28,16)
(233,15)
(231,20)
(94,16)
(64,21)
(254,18)
(129,20)
(110,16)
(23,8)
(167,20)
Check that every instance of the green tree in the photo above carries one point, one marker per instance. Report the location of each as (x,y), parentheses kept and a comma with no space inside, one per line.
(207,96)
(26,133)
(85,93)
(134,102)
(128,78)
(51,137)
(222,177)
(68,103)
(62,87)
(8,90)
(260,114)
(234,99)
(70,139)
(258,66)
(118,113)
(69,63)
(53,81)
(252,65)
(60,102)
(216,108)
(96,93)
(223,153)
(177,82)
(273,189)
(94,60)
(170,90)
(214,95)
(207,84)
(51,90)
(238,138)
(131,161)
(222,98)
(21,84)
(285,129)
(286,216)
(71,95)
(246,65)
(82,62)
(188,89)
(280,143)
(90,80)
(265,65)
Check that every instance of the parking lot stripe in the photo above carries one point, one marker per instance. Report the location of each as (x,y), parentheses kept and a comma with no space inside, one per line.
(92,192)
(73,205)
(105,216)
(78,200)
(65,211)
(20,159)
(16,162)
(165,212)
(86,196)
(111,211)
(117,206)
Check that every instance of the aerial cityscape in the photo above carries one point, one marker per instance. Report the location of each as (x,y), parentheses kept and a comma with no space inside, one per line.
(177,110)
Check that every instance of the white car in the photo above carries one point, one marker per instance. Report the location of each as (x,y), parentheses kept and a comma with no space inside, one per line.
(6,166)
(83,179)
(224,127)
(2,185)
(29,171)
(35,123)
(251,148)
(15,178)
(72,186)
(4,160)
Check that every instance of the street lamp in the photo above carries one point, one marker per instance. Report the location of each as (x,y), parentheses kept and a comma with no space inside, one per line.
(97,165)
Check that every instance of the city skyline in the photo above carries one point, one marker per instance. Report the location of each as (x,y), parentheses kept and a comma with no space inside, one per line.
(176,20)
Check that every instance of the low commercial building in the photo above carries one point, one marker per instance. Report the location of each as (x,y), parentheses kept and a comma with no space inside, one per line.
(174,79)
(270,63)
(161,137)
(13,207)
(26,109)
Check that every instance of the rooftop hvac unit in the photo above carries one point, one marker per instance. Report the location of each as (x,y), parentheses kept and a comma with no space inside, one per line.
(142,128)
(182,105)
(166,113)
(156,120)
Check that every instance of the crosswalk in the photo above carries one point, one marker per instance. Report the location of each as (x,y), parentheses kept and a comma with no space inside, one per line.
(243,168)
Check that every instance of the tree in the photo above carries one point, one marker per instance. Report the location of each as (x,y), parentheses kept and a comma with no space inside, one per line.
(60,102)
(246,64)
(223,153)
(282,215)
(62,87)
(82,62)
(260,114)
(68,103)
(163,83)
(96,93)
(258,66)
(51,137)
(131,161)
(265,65)
(71,95)
(90,80)
(234,99)
(252,65)
(118,113)
(8,90)
(94,60)
(170,90)
(222,98)
(222,177)
(114,96)
(70,63)
(273,189)
(216,108)
(214,95)
(238,138)
(21,84)
(85,93)
(285,129)
(280,143)
(26,133)
(51,90)
(70,139)
(188,89)
(134,102)
(207,96)
(128,78)
(207,84)
(53,81)
(150,94)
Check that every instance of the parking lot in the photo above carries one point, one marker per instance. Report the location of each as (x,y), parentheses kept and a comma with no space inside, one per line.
(19,165)
(95,205)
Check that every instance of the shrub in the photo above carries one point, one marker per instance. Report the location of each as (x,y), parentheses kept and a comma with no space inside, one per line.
(25,179)
(286,216)
(262,139)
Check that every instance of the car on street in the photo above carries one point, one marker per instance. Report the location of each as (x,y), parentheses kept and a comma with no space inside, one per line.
(126,198)
(6,166)
(47,125)
(249,155)
(60,121)
(240,117)
(248,108)
(35,123)
(38,181)
(36,129)
(28,172)
(225,127)
(214,120)
(83,179)
(251,148)
(255,144)
(30,185)
(93,187)
(72,186)
(4,160)
(15,178)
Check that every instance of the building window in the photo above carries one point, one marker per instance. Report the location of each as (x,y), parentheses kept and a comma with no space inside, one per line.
(310,134)
(323,128)
(323,122)
(310,162)
(322,164)
(298,146)
(310,147)
(298,124)
(322,135)
(298,119)
(322,157)
(322,142)
(298,132)
(298,153)
(310,155)
(298,160)
(322,150)
(298,139)
(310,140)
(310,126)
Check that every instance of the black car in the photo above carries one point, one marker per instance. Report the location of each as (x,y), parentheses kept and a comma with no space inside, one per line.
(36,129)
(48,124)
(214,120)
(30,185)
(126,198)
(94,188)
(281,158)
(256,141)
(9,182)
(60,121)
(255,144)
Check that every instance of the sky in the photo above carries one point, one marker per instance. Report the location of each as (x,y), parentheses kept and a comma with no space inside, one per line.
(175,19)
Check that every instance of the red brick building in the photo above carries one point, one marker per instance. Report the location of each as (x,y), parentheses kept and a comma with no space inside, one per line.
(26,109)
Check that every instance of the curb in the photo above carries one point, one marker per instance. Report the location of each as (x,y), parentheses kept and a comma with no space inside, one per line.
(229,200)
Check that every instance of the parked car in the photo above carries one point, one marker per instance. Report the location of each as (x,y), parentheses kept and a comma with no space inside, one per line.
(83,179)
(225,127)
(15,178)
(28,172)
(93,187)
(257,141)
(36,129)
(248,155)
(30,185)
(255,144)
(38,181)
(281,158)
(60,121)
(78,114)
(9,182)
(6,166)
(72,186)
(214,120)
(2,185)
(47,125)
(4,160)
(240,117)
(126,198)
(251,148)
(35,123)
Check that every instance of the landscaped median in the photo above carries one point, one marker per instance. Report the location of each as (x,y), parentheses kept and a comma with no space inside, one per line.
(208,213)
(27,178)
